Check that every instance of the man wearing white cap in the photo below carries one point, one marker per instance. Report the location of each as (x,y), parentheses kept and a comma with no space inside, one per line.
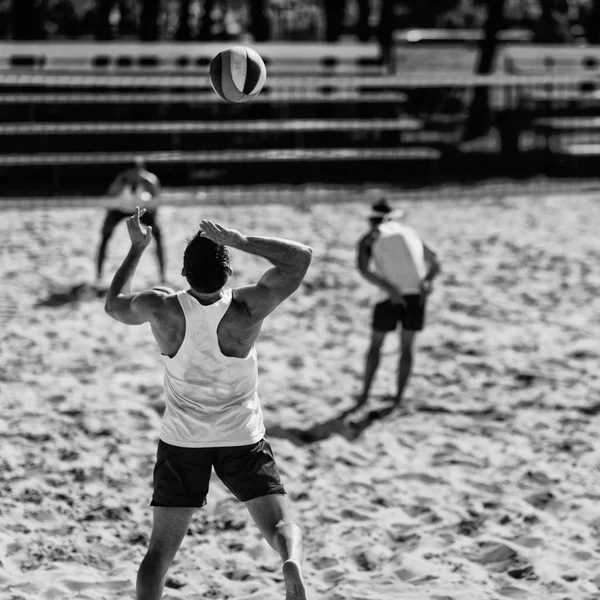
(394,258)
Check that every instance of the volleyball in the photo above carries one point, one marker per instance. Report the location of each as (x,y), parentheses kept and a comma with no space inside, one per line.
(238,74)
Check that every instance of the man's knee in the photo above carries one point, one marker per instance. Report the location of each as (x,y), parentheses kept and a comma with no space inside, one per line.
(377,341)
(286,525)
(157,559)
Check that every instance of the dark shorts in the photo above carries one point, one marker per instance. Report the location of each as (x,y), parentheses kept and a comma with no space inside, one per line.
(114,217)
(182,475)
(386,315)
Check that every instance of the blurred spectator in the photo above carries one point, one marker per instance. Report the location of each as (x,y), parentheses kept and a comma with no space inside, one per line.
(553,27)
(334,19)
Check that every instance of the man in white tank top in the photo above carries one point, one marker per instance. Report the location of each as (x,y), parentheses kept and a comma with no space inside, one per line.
(404,274)
(213,417)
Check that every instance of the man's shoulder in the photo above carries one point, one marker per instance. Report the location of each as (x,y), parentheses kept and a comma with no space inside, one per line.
(394,229)
(161,298)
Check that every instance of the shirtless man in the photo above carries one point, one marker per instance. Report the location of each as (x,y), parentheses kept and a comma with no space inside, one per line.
(213,417)
(411,273)
(134,186)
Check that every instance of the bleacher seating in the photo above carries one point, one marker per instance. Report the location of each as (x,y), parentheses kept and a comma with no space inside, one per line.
(178,58)
(562,115)
(101,104)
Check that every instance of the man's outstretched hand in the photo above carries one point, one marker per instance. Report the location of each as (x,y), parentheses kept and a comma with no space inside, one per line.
(219,234)
(140,238)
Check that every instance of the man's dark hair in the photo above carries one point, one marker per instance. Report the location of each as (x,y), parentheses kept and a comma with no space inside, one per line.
(206,265)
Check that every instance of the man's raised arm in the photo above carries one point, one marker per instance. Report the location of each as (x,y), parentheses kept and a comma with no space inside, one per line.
(121,304)
(290,263)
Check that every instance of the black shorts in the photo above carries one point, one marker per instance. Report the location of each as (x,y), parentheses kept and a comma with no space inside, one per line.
(114,217)
(386,315)
(182,475)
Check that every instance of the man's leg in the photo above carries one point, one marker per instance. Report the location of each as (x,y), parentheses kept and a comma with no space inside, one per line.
(110,222)
(270,513)
(372,363)
(407,339)
(169,527)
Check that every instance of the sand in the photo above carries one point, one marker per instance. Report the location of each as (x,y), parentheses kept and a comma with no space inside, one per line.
(485,486)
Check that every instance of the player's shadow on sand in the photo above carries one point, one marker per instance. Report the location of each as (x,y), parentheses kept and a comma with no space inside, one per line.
(68,295)
(340,425)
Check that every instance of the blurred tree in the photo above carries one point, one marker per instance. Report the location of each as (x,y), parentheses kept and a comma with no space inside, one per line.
(334,17)
(363,27)
(66,19)
(259,23)
(128,17)
(554,24)
(27,20)
(425,13)
(183,33)
(149,27)
(592,22)
(385,29)
(206,25)
(479,119)
(103,26)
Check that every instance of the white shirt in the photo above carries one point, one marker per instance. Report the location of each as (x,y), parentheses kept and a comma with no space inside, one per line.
(399,256)
(211,399)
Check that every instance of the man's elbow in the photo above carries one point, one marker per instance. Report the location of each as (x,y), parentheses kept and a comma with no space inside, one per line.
(304,259)
(111,308)
(308,254)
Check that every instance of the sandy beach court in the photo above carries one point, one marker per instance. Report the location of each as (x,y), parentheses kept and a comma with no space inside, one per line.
(484,487)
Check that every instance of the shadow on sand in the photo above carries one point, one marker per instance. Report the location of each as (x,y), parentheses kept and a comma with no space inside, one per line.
(68,295)
(340,425)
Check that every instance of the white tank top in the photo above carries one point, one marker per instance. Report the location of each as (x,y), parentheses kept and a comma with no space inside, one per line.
(399,256)
(211,399)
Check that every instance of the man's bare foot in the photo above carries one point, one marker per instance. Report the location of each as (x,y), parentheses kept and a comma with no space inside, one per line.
(294,584)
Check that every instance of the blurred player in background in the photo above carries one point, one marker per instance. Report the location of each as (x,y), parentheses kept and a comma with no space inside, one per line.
(394,258)
(136,186)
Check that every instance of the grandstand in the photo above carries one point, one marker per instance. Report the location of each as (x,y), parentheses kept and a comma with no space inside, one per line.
(329,113)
